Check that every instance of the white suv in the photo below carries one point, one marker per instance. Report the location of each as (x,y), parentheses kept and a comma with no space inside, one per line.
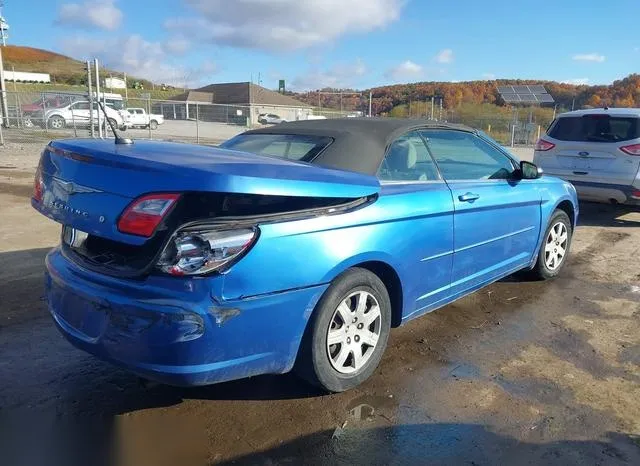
(79,114)
(597,150)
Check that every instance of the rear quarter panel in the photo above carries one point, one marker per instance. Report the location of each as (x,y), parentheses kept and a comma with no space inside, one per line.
(394,230)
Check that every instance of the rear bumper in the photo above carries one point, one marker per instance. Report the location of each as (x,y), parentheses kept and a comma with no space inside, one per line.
(177,334)
(605,192)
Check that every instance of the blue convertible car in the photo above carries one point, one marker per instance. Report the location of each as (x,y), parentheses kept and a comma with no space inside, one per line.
(291,247)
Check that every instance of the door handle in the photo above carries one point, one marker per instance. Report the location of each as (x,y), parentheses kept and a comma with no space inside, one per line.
(468,197)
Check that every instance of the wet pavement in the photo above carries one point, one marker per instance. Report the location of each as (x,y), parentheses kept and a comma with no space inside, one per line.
(518,373)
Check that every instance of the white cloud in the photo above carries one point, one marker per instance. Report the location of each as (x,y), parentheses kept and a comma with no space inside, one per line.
(444,56)
(339,76)
(283,24)
(177,45)
(138,57)
(488,76)
(101,14)
(593,57)
(576,81)
(405,71)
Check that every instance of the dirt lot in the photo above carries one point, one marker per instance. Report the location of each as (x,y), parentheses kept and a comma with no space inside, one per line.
(518,373)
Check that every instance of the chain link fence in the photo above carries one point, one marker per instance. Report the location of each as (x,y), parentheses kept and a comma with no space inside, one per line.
(38,117)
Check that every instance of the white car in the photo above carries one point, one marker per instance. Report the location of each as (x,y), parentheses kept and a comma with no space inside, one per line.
(598,151)
(270,119)
(79,114)
(138,117)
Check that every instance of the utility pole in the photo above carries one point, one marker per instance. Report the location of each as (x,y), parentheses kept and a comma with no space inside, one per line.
(91,127)
(126,93)
(370,98)
(3,90)
(432,103)
(98,96)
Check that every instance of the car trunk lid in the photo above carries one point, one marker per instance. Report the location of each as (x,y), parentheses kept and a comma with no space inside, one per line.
(87,184)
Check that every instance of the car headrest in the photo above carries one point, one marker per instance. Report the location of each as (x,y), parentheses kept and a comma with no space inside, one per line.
(402,156)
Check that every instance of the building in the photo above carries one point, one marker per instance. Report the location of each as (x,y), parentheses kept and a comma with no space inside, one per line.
(26,77)
(239,103)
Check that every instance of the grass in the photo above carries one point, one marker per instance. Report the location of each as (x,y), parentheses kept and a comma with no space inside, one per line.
(157,94)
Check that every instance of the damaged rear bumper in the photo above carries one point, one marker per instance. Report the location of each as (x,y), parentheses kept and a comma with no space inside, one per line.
(173,330)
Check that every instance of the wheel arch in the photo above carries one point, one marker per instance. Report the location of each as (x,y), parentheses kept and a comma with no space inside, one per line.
(381,266)
(568,208)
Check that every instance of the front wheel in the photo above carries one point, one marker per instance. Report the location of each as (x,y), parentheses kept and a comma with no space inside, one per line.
(56,122)
(555,246)
(348,332)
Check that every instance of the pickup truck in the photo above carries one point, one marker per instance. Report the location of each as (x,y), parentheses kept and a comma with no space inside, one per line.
(138,117)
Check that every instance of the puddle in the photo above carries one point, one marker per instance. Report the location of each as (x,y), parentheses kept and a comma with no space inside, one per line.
(462,371)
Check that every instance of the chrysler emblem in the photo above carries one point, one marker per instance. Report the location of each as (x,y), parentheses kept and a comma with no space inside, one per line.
(70,187)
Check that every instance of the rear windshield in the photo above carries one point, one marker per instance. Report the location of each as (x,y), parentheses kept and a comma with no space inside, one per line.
(596,128)
(286,146)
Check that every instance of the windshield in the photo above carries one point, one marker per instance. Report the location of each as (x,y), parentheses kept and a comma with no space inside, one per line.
(117,104)
(287,146)
(596,128)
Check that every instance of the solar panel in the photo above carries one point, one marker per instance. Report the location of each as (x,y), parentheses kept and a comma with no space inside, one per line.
(545,98)
(510,97)
(537,89)
(527,94)
(505,90)
(529,98)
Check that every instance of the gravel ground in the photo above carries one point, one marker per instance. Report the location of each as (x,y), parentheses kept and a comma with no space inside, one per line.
(517,373)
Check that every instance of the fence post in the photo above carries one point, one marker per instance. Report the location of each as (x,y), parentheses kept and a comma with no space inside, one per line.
(149,115)
(73,118)
(19,115)
(513,134)
(44,116)
(227,107)
(197,124)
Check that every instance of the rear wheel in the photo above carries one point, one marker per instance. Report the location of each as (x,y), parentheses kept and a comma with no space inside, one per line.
(348,332)
(555,246)
(56,122)
(153,124)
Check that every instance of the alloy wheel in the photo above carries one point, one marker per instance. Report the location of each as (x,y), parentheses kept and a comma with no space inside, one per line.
(555,247)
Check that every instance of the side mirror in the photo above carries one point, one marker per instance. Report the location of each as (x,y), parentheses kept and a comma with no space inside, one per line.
(529,171)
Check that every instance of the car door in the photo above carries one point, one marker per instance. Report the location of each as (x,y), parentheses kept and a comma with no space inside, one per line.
(78,113)
(497,217)
(419,202)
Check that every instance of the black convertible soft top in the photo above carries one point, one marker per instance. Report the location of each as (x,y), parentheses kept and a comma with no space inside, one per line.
(359,143)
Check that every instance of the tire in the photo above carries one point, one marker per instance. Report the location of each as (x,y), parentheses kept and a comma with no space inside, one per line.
(334,367)
(559,225)
(153,124)
(56,122)
(112,122)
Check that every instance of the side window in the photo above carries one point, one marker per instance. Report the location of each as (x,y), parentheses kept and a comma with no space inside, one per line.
(464,156)
(80,106)
(408,159)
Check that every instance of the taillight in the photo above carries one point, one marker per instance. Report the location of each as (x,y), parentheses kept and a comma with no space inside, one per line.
(143,215)
(633,149)
(201,252)
(543,145)
(38,185)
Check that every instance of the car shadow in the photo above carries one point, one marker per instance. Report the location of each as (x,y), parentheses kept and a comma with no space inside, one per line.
(608,215)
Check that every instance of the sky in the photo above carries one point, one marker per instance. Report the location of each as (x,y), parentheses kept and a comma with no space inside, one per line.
(359,44)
